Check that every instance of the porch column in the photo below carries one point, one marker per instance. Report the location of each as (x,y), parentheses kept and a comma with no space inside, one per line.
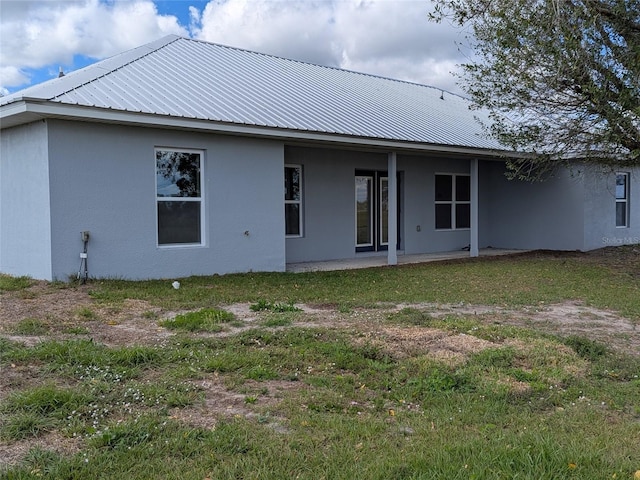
(473,241)
(392,214)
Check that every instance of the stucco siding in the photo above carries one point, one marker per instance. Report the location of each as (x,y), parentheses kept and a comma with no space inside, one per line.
(542,215)
(420,234)
(329,202)
(103,180)
(25,234)
(600,209)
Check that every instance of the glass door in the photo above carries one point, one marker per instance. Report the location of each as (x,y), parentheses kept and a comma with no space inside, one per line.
(364,211)
(372,211)
(383,211)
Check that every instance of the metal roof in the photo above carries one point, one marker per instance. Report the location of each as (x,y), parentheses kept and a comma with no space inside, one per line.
(177,77)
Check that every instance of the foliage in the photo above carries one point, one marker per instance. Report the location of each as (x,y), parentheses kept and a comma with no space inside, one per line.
(206,319)
(560,78)
(9,283)
(586,347)
(273,306)
(31,326)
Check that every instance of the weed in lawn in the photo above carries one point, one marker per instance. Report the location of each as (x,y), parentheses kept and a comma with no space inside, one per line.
(494,358)
(279,320)
(9,283)
(86,313)
(134,356)
(33,411)
(411,316)
(75,330)
(31,326)
(23,425)
(586,348)
(261,305)
(205,320)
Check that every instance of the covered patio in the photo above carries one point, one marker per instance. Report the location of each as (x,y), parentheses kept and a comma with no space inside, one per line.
(368,261)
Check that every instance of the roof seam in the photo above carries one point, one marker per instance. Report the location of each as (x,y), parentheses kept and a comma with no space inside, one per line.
(315,65)
(112,70)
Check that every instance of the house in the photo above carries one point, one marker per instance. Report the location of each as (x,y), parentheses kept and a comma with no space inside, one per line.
(182,157)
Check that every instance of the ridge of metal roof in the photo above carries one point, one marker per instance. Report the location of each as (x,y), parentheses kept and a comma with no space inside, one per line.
(178,77)
(57,86)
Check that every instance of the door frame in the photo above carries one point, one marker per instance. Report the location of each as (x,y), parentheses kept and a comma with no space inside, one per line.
(376,245)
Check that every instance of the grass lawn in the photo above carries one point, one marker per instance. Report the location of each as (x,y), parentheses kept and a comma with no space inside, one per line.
(453,370)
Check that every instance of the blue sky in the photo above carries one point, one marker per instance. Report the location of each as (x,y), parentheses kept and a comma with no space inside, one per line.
(392,38)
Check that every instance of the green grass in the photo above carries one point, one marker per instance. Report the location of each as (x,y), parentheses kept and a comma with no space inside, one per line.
(516,281)
(357,412)
(31,326)
(204,320)
(261,305)
(333,402)
(31,412)
(9,283)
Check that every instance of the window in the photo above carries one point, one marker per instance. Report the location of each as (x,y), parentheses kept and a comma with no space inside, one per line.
(179,197)
(622,199)
(293,200)
(453,201)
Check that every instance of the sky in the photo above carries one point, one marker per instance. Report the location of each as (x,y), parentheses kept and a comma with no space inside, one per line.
(390,38)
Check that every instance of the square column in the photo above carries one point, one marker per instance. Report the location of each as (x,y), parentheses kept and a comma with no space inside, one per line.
(392,175)
(473,241)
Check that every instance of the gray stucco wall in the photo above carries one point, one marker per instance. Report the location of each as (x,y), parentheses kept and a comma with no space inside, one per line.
(328,201)
(419,211)
(103,180)
(25,237)
(522,215)
(329,218)
(599,214)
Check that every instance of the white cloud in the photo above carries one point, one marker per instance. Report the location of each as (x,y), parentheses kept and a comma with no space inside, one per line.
(298,30)
(383,37)
(389,38)
(37,34)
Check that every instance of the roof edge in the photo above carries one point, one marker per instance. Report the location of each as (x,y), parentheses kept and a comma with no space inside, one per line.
(28,111)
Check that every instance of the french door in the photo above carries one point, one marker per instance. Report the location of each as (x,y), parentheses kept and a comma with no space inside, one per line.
(372,211)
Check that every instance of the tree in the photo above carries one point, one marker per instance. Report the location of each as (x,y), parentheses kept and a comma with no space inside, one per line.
(560,78)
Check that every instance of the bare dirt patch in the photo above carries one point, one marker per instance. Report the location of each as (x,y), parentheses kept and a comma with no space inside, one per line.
(13,453)
(402,342)
(220,402)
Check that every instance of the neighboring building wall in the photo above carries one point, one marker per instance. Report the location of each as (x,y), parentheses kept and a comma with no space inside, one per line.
(600,209)
(523,215)
(329,208)
(25,229)
(103,180)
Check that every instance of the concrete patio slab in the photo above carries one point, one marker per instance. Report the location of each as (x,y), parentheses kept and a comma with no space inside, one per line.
(380,260)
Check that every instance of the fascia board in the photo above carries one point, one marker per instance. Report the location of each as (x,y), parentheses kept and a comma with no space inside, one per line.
(14,108)
(78,112)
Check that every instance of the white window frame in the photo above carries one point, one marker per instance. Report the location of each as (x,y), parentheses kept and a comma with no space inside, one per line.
(624,200)
(200,199)
(453,202)
(295,202)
